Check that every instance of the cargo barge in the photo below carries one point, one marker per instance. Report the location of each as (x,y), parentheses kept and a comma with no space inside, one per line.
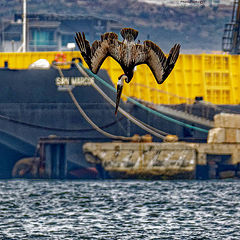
(59,122)
(34,105)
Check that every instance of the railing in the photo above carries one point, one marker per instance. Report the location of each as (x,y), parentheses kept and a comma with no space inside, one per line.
(44,43)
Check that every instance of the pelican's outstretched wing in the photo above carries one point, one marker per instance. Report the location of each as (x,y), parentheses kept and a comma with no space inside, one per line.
(94,56)
(153,56)
(109,45)
(171,60)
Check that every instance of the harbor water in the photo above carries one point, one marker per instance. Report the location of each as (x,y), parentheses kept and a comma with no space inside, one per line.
(119,209)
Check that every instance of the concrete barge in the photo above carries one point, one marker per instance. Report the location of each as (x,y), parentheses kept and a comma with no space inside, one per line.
(218,158)
(179,160)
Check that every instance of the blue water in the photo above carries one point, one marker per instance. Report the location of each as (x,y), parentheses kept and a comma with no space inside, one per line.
(119,209)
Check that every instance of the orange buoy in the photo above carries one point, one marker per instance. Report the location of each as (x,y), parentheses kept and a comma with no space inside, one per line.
(60,58)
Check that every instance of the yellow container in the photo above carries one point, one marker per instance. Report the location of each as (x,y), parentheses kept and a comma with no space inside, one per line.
(215,77)
(23,60)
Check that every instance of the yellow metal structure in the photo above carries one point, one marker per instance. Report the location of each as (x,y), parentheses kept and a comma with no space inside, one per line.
(23,60)
(215,77)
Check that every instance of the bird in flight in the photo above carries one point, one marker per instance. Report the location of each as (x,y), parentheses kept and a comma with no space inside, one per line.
(128,54)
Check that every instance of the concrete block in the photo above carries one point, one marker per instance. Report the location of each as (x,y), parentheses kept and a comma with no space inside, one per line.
(216,135)
(227,120)
(232,135)
(224,135)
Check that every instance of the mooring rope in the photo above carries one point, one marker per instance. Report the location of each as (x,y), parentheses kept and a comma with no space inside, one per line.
(32,125)
(123,112)
(188,100)
(145,107)
(109,135)
(92,123)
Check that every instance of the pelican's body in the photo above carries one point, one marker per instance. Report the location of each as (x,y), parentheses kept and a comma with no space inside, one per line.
(127,59)
(128,54)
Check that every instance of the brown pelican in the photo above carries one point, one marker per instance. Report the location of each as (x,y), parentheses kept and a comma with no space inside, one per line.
(128,54)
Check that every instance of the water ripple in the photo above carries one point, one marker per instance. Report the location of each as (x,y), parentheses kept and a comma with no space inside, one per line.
(119,209)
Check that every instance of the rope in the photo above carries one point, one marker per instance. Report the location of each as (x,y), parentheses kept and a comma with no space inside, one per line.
(92,123)
(129,116)
(144,107)
(108,99)
(7,118)
(188,100)
(87,118)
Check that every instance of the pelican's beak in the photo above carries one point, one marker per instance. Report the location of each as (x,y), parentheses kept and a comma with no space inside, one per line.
(119,93)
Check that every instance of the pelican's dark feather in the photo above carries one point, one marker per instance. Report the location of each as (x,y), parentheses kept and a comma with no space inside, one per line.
(172,59)
(109,36)
(84,47)
(94,56)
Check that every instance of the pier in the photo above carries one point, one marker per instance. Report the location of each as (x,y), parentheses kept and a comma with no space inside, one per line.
(179,160)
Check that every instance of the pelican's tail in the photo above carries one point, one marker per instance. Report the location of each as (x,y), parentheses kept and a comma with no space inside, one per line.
(129,34)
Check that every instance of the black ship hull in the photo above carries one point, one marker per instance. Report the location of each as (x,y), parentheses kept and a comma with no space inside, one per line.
(32,106)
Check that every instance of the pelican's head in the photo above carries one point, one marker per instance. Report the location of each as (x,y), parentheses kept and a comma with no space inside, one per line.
(128,75)
(121,79)
(120,83)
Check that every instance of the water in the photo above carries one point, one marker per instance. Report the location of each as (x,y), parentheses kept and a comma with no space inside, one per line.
(119,209)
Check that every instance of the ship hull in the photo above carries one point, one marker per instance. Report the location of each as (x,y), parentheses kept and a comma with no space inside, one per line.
(33,106)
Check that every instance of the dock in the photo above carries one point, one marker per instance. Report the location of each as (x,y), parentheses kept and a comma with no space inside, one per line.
(142,159)
(180,160)
(218,158)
